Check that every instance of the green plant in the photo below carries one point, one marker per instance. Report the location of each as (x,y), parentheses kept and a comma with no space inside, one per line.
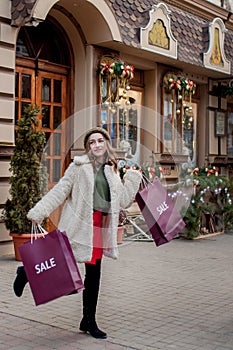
(192,218)
(28,175)
(228,208)
(211,200)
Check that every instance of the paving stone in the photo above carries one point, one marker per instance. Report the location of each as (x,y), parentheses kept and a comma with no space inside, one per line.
(177,296)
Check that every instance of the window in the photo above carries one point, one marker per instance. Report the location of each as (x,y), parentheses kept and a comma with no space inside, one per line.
(157,35)
(226,4)
(120,105)
(179,116)
(41,78)
(46,90)
(230,131)
(122,121)
(52,88)
(43,42)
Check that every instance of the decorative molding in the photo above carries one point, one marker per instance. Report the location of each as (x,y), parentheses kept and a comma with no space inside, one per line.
(204,9)
(167,158)
(157,35)
(6,151)
(215,58)
(222,161)
(5,20)
(7,45)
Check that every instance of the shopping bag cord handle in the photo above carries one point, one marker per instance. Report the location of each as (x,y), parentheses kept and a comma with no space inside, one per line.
(35,229)
(145,181)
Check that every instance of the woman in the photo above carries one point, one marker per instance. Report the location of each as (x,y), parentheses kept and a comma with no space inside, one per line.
(94,194)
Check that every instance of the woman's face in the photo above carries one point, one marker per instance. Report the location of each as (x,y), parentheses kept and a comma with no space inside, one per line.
(97,144)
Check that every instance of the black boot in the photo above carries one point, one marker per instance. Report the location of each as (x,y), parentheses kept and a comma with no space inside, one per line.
(88,324)
(90,298)
(20,281)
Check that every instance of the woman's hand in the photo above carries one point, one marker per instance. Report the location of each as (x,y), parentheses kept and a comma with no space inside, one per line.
(34,222)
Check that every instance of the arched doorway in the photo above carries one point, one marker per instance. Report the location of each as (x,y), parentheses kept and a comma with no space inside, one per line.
(43,77)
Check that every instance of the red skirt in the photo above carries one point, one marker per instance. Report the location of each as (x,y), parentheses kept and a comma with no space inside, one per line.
(97,251)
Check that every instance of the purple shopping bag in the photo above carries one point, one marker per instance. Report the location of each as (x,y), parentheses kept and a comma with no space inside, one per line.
(162,218)
(50,267)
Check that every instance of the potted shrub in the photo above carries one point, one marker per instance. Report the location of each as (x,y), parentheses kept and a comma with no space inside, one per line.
(28,178)
(210,209)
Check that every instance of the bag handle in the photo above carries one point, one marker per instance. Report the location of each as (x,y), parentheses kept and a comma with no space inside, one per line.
(35,230)
(145,181)
(42,230)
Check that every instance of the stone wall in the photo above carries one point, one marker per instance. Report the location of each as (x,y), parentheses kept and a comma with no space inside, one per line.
(7,68)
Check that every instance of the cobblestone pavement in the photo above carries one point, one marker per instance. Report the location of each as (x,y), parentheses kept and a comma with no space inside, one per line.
(177,296)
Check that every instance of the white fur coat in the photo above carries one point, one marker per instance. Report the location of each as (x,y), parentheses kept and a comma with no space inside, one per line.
(76,189)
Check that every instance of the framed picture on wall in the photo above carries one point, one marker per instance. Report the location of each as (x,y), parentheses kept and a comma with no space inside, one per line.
(220,122)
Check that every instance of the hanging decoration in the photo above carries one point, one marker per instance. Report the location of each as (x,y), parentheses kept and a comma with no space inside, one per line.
(205,171)
(118,68)
(113,75)
(182,89)
(223,90)
(151,172)
(116,103)
(185,85)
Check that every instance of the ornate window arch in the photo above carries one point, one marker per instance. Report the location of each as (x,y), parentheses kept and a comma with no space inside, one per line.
(215,57)
(157,35)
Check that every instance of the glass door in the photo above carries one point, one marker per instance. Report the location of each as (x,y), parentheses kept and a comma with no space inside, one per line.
(24,90)
(48,92)
(51,90)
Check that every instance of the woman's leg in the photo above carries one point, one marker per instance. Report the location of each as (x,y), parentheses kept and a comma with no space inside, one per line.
(90,300)
(20,281)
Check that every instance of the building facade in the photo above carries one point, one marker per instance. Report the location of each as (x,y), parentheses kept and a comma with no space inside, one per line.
(157,74)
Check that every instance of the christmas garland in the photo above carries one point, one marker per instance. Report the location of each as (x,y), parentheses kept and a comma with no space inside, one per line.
(223,90)
(110,70)
(171,82)
(117,68)
(205,171)
(150,172)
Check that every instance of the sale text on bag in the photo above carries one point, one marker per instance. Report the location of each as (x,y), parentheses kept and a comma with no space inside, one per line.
(162,208)
(45,265)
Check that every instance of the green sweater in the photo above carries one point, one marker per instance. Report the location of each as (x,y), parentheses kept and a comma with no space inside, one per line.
(101,199)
